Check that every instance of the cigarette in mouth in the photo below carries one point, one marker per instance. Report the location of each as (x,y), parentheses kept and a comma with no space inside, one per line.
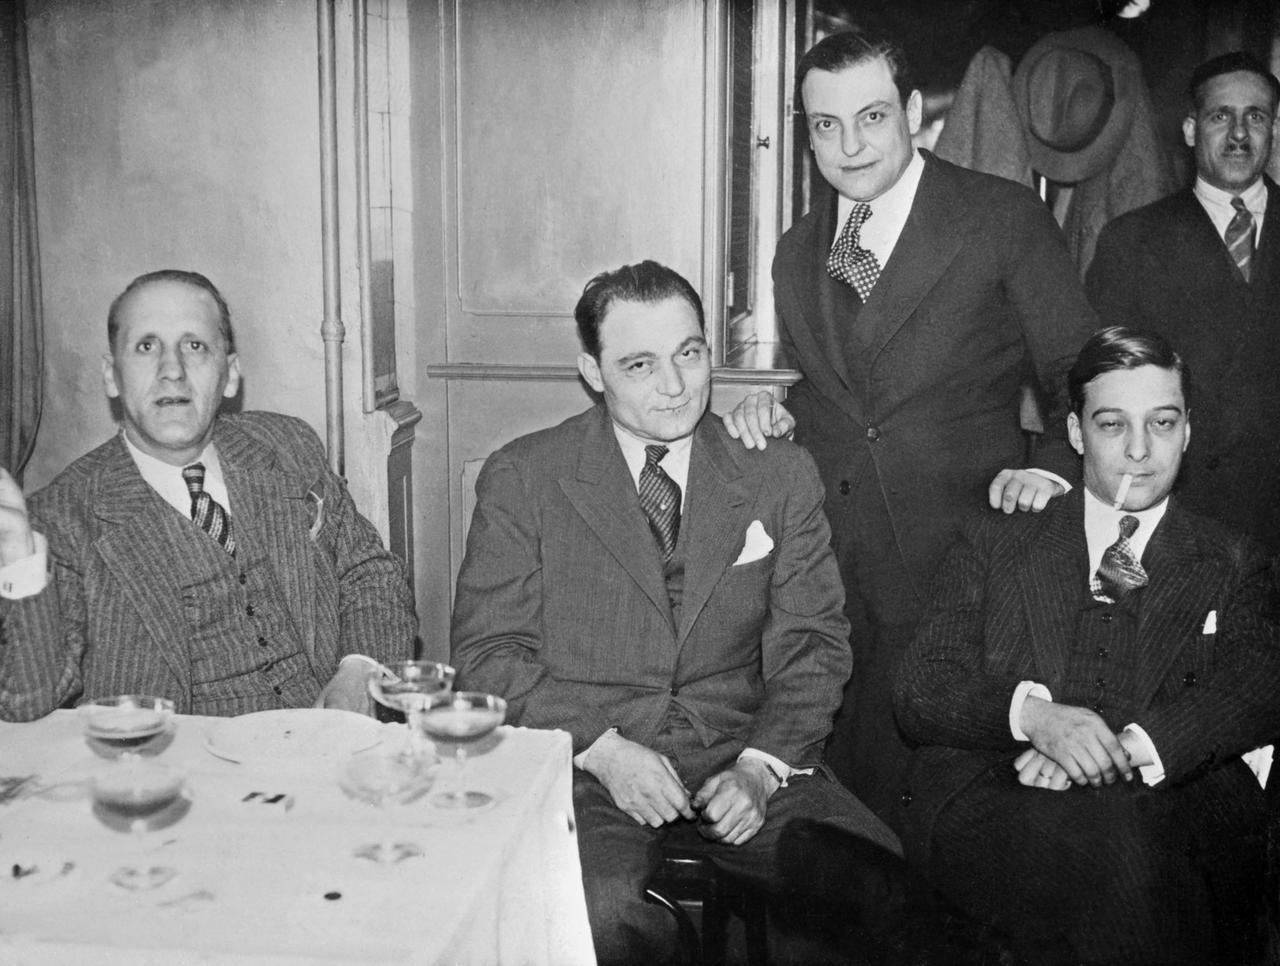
(1125,482)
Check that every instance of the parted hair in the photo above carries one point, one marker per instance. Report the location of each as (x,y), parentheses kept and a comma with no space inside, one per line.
(645,281)
(1120,347)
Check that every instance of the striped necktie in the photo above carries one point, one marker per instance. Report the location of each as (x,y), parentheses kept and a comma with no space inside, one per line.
(1119,572)
(849,262)
(206,512)
(1239,237)
(660,501)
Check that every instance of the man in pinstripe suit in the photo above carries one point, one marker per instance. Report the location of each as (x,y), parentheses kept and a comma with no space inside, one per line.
(1082,689)
(249,597)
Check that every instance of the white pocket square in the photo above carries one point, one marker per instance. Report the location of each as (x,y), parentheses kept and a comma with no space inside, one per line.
(1211,623)
(755,545)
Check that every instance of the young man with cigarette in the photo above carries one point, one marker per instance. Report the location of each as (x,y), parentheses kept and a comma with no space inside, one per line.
(1082,690)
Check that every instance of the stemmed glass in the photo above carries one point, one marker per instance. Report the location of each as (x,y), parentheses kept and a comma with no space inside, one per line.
(408,686)
(379,779)
(460,720)
(140,795)
(127,725)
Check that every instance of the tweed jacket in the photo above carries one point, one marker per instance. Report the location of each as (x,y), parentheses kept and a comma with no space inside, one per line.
(1165,267)
(562,607)
(1005,610)
(915,403)
(111,619)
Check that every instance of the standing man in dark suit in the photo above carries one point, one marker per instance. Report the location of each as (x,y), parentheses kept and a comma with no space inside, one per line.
(915,304)
(638,579)
(1202,267)
(1082,689)
(214,560)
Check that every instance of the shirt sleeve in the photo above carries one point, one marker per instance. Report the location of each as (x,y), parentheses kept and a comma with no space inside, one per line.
(28,576)
(1024,690)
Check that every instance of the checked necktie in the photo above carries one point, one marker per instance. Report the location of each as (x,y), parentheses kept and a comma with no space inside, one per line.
(206,512)
(1119,572)
(1239,237)
(660,501)
(848,261)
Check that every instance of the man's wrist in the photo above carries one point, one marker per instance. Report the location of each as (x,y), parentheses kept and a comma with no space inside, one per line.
(762,771)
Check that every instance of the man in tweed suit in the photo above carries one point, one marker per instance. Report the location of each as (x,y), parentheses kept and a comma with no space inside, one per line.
(697,670)
(1082,702)
(250,596)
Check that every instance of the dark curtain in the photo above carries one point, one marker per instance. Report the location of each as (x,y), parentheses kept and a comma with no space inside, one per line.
(21,325)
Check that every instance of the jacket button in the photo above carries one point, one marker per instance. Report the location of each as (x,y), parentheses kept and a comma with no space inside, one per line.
(1100,682)
(675,692)
(1103,652)
(262,641)
(1189,679)
(873,433)
(844,487)
(906,798)
(250,611)
(276,689)
(243,580)
(1106,618)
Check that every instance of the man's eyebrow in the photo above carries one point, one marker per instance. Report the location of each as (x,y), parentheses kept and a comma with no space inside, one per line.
(640,356)
(1109,410)
(692,340)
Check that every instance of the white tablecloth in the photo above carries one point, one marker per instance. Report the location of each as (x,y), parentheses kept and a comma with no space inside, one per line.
(278,883)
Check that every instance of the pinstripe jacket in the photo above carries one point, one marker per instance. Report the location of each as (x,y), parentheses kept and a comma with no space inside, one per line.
(1005,609)
(111,619)
(562,608)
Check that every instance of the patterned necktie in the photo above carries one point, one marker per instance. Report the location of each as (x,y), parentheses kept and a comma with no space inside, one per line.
(1239,237)
(850,263)
(206,512)
(1119,572)
(660,501)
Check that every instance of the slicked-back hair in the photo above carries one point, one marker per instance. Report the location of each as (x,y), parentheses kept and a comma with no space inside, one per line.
(1120,347)
(852,47)
(1229,63)
(194,279)
(647,282)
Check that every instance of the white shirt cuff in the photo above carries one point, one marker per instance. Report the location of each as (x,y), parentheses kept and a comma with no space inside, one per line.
(781,770)
(28,576)
(1024,690)
(1152,774)
(581,756)
(1066,487)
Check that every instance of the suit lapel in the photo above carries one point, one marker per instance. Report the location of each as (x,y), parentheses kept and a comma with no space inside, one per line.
(716,517)
(1049,575)
(604,494)
(818,295)
(1199,243)
(136,543)
(1183,582)
(262,500)
(1266,260)
(928,244)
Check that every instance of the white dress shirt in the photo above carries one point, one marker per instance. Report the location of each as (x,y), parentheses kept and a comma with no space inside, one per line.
(1217,205)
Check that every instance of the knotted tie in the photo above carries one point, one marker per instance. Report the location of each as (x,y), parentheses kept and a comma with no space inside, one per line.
(660,501)
(848,261)
(1239,237)
(206,512)
(1119,572)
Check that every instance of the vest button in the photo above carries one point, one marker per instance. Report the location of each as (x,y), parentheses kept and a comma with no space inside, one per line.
(1189,679)
(906,799)
(1103,652)
(276,689)
(1106,618)
(250,611)
(873,433)
(675,692)
(844,487)
(1100,682)
(262,641)
(243,580)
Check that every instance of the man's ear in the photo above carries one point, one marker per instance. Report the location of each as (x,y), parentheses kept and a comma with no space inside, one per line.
(1074,434)
(233,376)
(1189,131)
(915,112)
(1186,436)
(589,369)
(109,377)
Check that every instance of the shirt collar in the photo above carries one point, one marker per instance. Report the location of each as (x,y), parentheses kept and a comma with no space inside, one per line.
(166,479)
(1254,197)
(880,233)
(675,464)
(1102,526)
